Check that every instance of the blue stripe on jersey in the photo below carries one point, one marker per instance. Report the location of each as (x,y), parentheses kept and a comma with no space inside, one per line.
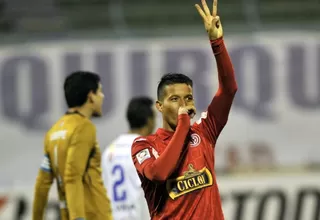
(46,165)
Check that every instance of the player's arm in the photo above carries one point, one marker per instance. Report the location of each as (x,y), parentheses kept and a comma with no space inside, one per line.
(42,187)
(81,144)
(218,111)
(159,169)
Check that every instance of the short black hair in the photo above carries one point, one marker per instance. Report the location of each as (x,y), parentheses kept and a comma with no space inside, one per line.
(78,85)
(170,79)
(139,110)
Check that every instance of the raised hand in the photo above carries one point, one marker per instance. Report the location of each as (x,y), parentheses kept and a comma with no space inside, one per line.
(211,22)
(189,110)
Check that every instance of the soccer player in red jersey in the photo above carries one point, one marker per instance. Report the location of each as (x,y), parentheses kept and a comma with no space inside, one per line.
(176,164)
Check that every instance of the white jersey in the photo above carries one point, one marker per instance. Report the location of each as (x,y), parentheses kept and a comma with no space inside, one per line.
(122,181)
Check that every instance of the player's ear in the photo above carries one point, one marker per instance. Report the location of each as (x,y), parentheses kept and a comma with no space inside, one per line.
(159,105)
(90,97)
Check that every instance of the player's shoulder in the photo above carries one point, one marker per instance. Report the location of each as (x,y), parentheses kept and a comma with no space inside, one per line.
(142,142)
(109,148)
(57,129)
(106,152)
(82,122)
(121,142)
(203,116)
(78,123)
(150,139)
(70,124)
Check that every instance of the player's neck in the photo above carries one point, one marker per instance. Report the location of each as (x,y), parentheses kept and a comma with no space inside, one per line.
(86,112)
(166,126)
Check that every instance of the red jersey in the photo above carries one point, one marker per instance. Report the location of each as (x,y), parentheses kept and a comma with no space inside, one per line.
(177,168)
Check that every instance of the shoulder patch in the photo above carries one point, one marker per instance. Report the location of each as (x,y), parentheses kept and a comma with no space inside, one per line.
(143,155)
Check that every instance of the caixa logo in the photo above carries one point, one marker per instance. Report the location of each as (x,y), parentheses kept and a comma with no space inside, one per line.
(273,204)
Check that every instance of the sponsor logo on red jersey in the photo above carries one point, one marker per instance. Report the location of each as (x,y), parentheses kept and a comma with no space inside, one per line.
(190,181)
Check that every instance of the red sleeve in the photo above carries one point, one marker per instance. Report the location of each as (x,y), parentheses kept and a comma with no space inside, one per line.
(216,117)
(159,169)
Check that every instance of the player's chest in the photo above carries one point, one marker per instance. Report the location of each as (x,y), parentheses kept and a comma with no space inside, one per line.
(198,153)
(194,170)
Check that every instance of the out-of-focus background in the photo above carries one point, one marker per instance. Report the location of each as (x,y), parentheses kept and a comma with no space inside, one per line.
(267,157)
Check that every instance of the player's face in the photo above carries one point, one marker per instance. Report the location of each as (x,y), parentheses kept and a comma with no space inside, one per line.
(97,100)
(175,96)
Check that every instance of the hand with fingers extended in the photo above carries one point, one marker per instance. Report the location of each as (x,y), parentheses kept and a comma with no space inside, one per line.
(211,22)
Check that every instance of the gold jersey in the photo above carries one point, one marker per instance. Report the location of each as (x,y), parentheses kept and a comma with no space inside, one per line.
(72,157)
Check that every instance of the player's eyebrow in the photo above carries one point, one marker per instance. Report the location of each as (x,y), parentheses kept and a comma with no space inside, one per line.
(176,95)
(173,95)
(188,95)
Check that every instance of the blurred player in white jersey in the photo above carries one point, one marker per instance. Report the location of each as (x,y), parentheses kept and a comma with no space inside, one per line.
(119,174)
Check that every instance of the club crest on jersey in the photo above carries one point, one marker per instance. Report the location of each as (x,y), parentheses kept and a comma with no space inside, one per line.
(195,140)
(190,181)
(143,155)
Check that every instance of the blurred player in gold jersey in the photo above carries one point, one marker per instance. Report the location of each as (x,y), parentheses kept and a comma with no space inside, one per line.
(72,155)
